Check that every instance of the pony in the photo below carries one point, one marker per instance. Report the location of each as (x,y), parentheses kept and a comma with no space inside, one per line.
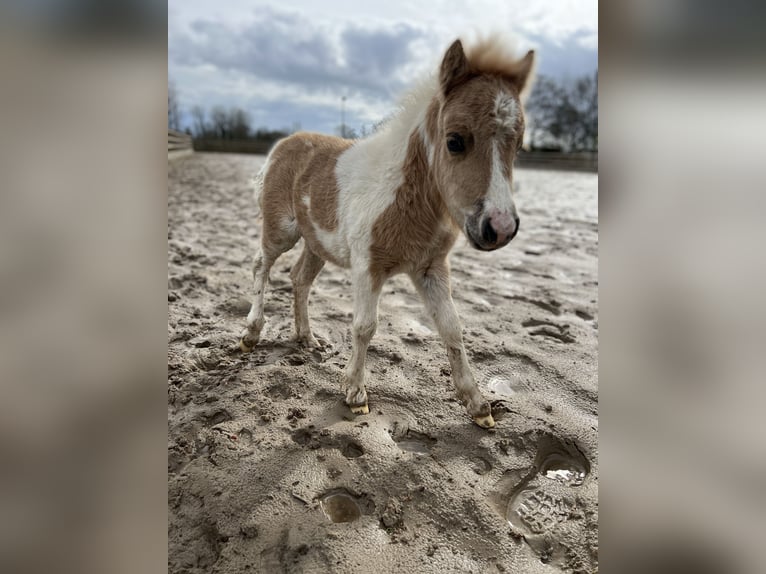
(396,201)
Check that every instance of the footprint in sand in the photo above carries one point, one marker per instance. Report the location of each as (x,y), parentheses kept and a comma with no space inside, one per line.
(551,306)
(352,449)
(502,385)
(549,330)
(412,441)
(544,500)
(312,438)
(536,512)
(538,503)
(340,506)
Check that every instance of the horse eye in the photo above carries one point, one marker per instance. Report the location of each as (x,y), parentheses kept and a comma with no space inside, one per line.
(455,143)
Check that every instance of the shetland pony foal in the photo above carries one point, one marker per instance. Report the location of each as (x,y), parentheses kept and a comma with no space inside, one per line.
(396,202)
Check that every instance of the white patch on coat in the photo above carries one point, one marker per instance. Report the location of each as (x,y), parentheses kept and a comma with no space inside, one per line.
(369,173)
(332,241)
(499,193)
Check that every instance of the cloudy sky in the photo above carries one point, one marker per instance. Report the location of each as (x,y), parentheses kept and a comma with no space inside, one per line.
(288,63)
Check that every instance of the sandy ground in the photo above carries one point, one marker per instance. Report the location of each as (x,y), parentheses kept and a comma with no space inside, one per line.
(263,455)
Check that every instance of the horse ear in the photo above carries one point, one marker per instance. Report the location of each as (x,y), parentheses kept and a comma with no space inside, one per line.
(521,75)
(454,69)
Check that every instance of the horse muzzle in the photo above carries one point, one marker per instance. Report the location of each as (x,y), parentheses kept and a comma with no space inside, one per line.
(492,232)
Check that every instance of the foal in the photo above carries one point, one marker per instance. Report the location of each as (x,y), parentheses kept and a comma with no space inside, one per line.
(396,201)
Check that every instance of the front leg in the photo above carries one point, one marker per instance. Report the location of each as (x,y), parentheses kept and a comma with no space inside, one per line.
(365,323)
(433,284)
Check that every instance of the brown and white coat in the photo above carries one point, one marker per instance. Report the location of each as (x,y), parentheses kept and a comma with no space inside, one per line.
(396,202)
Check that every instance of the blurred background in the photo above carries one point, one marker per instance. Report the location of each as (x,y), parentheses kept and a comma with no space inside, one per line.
(682,273)
(243,74)
(83,249)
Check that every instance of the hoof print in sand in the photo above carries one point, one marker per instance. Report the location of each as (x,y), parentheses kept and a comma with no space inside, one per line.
(412,441)
(281,390)
(216,416)
(549,330)
(312,438)
(341,505)
(481,465)
(309,437)
(502,385)
(499,410)
(352,450)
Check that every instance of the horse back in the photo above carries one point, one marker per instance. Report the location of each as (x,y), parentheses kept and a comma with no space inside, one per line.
(300,185)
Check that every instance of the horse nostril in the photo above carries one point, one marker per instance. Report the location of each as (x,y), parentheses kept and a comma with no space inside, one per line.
(516,229)
(488,232)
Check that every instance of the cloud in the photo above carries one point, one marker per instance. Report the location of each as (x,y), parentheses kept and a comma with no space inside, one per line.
(287,65)
(567,58)
(271,104)
(288,48)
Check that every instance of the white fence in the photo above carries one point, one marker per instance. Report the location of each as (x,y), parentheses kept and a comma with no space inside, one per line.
(179,144)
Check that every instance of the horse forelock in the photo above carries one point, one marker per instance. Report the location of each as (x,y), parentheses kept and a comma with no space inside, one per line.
(506,113)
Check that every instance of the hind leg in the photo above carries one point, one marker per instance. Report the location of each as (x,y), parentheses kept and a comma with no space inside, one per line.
(272,246)
(303,274)
(363,327)
(255,321)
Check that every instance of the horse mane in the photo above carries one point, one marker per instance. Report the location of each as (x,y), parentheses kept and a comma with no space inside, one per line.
(496,54)
(410,109)
(493,54)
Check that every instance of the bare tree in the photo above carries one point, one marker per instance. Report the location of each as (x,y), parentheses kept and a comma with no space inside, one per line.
(198,114)
(542,109)
(564,114)
(239,123)
(265,134)
(220,122)
(584,99)
(174,113)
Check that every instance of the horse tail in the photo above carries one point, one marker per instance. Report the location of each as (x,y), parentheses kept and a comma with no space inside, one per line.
(257,183)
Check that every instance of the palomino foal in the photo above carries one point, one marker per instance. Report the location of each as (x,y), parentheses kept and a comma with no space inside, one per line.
(396,201)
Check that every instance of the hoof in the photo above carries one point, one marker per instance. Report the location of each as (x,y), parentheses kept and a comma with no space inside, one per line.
(362,410)
(486,422)
(309,343)
(244,347)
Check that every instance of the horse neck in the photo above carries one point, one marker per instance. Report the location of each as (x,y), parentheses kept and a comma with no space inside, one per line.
(419,182)
(403,149)
(390,144)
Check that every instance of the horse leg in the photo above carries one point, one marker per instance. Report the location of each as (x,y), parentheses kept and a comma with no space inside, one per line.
(303,274)
(274,243)
(433,284)
(364,325)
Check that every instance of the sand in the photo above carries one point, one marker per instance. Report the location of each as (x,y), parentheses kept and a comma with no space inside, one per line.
(263,455)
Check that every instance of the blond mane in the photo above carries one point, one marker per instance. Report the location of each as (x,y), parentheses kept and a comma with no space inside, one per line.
(496,54)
